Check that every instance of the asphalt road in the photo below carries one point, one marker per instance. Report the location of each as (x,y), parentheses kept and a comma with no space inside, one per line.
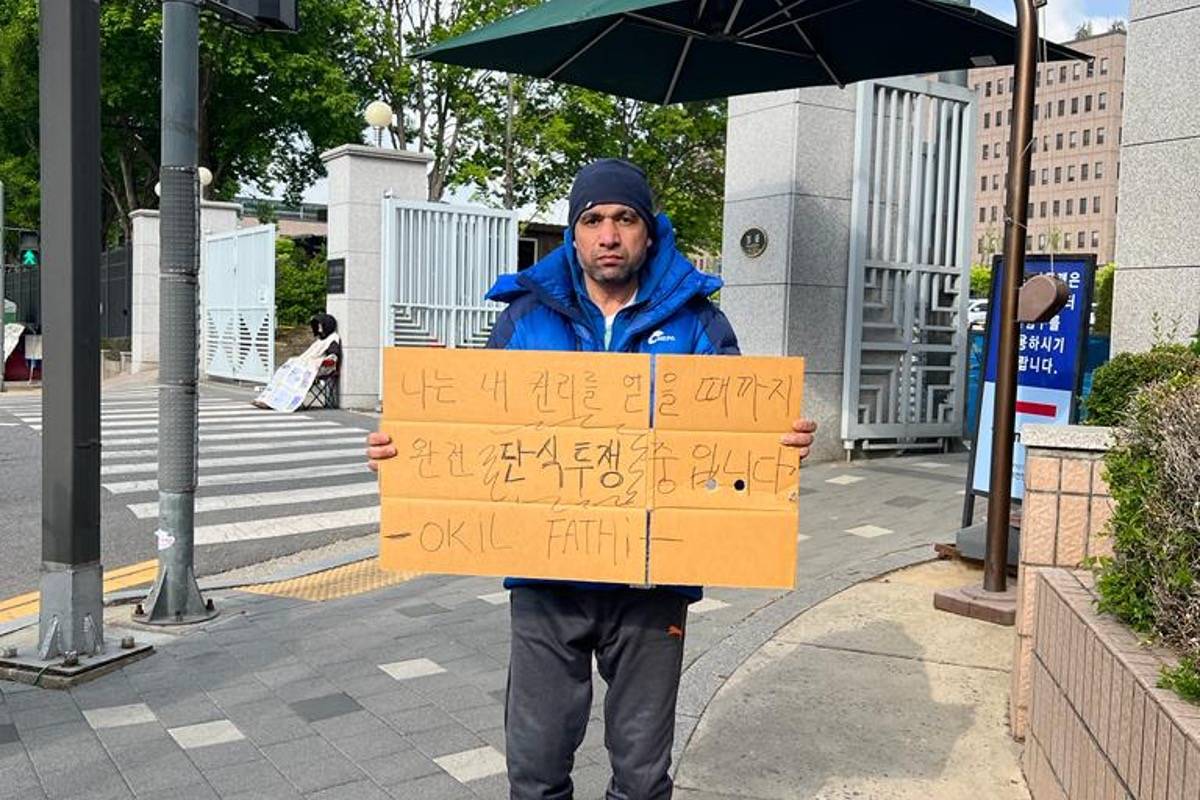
(270,484)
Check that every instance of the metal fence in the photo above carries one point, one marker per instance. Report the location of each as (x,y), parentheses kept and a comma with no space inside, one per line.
(116,293)
(906,326)
(438,262)
(237,289)
(23,288)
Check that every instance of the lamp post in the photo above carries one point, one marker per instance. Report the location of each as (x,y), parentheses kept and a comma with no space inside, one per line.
(379,116)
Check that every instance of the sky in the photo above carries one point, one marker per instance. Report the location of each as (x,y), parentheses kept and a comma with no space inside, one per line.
(1063,17)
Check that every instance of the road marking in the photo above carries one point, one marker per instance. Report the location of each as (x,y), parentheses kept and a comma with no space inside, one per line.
(252,530)
(299,444)
(869,531)
(238,478)
(226,502)
(302,456)
(115,580)
(234,417)
(221,427)
(321,429)
(845,480)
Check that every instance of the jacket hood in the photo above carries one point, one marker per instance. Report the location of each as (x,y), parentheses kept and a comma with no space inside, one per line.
(666,281)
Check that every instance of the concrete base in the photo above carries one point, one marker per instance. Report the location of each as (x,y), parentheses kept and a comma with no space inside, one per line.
(998,608)
(56,675)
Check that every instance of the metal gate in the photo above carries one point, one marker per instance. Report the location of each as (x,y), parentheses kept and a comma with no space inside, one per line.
(116,292)
(906,321)
(439,261)
(237,288)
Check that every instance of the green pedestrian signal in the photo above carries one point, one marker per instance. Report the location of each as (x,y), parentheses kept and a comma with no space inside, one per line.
(30,250)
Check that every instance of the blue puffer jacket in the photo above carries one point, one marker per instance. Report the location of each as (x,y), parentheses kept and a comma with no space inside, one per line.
(549,309)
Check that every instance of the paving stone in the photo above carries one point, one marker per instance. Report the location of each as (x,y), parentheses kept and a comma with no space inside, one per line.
(481,718)
(416,720)
(869,531)
(447,739)
(281,793)
(70,781)
(458,697)
(224,754)
(178,712)
(472,765)
(433,787)
(206,734)
(244,690)
(306,689)
(412,668)
(422,610)
(906,501)
(363,745)
(496,788)
(245,777)
(119,716)
(8,734)
(359,790)
(33,718)
(398,699)
(312,764)
(268,722)
(193,791)
(394,768)
(164,772)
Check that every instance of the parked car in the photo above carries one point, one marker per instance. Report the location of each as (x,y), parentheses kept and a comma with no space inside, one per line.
(977,311)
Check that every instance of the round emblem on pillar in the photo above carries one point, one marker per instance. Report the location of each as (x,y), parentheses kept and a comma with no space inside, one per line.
(754,242)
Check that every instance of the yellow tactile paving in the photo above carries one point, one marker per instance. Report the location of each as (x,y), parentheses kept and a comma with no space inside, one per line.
(357,578)
(115,580)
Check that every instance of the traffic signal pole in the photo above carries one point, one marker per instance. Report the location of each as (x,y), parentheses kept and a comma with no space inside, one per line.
(175,598)
(71,614)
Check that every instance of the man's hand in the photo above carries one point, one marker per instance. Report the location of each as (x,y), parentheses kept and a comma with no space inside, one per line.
(801,436)
(379,447)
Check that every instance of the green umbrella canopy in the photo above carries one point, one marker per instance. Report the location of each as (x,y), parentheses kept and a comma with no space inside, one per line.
(669,51)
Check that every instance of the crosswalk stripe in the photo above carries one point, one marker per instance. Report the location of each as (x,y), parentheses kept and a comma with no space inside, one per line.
(260,416)
(325,429)
(299,444)
(227,502)
(151,413)
(298,457)
(230,532)
(220,428)
(243,478)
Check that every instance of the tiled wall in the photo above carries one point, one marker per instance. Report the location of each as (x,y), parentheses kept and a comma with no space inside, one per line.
(1098,725)
(1065,513)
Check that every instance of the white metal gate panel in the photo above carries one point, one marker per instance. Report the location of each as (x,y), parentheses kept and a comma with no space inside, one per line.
(906,321)
(238,306)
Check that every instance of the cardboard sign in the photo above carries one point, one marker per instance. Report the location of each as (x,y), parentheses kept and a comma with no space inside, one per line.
(545,465)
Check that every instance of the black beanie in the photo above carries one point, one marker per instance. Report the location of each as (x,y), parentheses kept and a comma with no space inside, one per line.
(612,180)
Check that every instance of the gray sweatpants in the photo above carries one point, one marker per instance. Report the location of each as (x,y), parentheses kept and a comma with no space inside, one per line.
(637,638)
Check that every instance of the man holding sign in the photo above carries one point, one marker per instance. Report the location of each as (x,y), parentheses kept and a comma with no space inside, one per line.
(617,284)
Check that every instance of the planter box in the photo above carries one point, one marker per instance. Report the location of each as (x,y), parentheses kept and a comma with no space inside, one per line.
(1098,725)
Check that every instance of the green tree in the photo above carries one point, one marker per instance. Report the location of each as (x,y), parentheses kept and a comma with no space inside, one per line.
(269,103)
(1104,298)
(981,280)
(300,283)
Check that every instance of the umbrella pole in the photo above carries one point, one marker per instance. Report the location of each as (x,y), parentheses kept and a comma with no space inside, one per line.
(1000,491)
(995,602)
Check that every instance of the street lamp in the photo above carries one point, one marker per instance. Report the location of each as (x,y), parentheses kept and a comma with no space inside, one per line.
(206,179)
(379,116)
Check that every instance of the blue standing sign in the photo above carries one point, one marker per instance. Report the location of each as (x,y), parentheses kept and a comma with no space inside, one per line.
(1051,357)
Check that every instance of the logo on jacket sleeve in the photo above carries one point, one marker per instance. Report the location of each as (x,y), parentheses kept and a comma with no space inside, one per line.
(659,336)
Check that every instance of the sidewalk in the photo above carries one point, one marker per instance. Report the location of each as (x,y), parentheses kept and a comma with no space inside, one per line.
(397,692)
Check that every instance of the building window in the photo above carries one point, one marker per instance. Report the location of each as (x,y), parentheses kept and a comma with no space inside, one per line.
(1083,171)
(1062,106)
(1116,202)
(1081,239)
(1058,141)
(1091,68)
(1087,136)
(1099,170)
(983,185)
(1029,211)
(979,246)
(1033,145)
(1074,138)
(1037,109)
(987,89)
(1095,238)
(1066,241)
(1087,103)
(1057,208)
(985,151)
(1102,101)
(1049,109)
(1096,204)
(1033,177)
(987,120)
(1062,74)
(1099,136)
(1075,103)
(1120,133)
(999,86)
(1070,206)
(982,214)
(993,213)
(1045,175)
(1075,72)
(1012,83)
(995,182)
(996,150)
(1083,205)
(1037,79)
(1104,66)
(1058,174)
(1070,173)
(1042,209)
(1050,75)
(1045,142)
(1041,241)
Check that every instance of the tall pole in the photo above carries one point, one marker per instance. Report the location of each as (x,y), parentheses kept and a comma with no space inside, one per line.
(71,616)
(995,576)
(175,597)
(3,296)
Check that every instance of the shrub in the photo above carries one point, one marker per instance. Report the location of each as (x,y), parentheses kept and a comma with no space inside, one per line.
(1153,580)
(1115,384)
(299,283)
(1104,298)
(981,280)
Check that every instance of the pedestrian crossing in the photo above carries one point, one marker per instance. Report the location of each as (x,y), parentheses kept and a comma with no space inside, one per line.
(263,475)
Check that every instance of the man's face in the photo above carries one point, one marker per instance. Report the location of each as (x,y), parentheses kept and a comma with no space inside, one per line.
(611,241)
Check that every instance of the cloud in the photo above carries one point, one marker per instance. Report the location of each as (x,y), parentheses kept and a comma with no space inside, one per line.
(1059,19)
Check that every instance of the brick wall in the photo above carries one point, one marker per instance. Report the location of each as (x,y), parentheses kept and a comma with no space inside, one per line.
(1098,725)
(1065,513)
